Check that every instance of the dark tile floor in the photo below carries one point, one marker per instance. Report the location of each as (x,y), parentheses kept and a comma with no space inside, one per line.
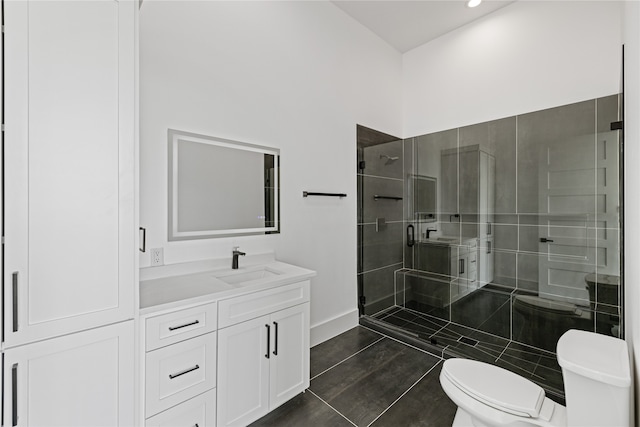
(364,378)
(453,340)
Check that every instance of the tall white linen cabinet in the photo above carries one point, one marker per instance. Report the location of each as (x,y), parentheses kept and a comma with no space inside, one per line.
(69,212)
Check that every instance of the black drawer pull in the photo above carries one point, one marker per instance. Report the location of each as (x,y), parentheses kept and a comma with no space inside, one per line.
(173,328)
(186,371)
(545,240)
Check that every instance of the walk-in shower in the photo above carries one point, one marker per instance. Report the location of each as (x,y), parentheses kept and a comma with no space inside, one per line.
(491,240)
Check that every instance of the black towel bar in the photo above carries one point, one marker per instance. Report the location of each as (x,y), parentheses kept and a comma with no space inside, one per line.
(376,197)
(310,193)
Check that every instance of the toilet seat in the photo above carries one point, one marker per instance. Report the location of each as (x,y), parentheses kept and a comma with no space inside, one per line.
(498,388)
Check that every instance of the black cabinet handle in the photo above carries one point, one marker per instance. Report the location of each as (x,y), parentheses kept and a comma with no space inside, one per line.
(173,328)
(186,371)
(411,238)
(144,239)
(489,247)
(489,229)
(461,266)
(268,340)
(14,290)
(545,240)
(14,395)
(275,350)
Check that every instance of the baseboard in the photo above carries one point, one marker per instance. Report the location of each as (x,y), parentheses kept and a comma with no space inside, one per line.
(332,327)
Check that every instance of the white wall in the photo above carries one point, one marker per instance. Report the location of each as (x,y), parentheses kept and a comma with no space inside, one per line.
(528,56)
(297,76)
(632,183)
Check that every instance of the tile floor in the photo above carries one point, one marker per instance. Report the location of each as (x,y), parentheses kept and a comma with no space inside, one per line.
(450,339)
(364,378)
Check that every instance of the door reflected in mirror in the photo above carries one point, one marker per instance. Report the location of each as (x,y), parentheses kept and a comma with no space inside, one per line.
(219,187)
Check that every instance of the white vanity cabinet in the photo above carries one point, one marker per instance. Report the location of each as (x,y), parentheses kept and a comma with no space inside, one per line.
(236,341)
(464,268)
(180,367)
(263,352)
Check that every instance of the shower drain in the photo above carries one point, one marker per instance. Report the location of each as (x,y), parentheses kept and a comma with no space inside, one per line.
(468,341)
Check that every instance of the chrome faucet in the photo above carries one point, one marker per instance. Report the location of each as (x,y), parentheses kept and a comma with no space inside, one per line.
(236,254)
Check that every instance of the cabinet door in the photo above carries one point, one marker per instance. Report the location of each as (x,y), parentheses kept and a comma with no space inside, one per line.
(68,166)
(485,261)
(82,379)
(289,354)
(243,371)
(449,185)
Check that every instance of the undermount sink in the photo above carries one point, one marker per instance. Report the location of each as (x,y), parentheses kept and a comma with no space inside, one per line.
(441,240)
(446,239)
(240,277)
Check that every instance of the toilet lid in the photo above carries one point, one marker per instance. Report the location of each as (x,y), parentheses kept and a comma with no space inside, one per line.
(496,387)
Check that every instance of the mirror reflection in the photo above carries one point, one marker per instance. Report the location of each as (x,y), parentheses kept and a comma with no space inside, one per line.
(220,187)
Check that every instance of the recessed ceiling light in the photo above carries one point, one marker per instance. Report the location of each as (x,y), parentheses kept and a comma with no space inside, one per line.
(473,3)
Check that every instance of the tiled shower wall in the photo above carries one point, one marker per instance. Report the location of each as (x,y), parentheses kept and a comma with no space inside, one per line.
(519,220)
(584,206)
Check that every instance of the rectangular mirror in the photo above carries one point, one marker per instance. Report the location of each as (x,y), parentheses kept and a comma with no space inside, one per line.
(425,197)
(219,187)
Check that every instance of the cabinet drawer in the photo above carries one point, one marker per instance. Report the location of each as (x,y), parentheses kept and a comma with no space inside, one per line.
(199,411)
(473,264)
(179,372)
(180,325)
(250,306)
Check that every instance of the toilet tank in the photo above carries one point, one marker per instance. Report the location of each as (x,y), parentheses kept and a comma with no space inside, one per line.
(597,379)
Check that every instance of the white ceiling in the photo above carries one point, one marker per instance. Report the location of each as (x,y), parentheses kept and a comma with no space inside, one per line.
(409,24)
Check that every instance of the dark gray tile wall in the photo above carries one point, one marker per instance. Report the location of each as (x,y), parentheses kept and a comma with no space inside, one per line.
(531,151)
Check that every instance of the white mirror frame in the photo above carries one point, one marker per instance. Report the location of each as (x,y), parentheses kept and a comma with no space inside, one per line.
(175,137)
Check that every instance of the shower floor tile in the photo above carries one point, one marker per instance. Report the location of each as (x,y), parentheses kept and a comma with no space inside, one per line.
(537,365)
(456,338)
(421,324)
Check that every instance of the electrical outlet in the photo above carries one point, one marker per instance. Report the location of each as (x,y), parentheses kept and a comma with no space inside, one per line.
(157,257)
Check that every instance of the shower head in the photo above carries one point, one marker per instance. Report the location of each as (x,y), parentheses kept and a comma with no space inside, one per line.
(389,158)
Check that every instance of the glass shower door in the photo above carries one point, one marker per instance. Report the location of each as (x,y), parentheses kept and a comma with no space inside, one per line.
(380,219)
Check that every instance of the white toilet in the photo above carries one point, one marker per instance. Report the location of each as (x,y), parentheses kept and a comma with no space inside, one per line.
(597,381)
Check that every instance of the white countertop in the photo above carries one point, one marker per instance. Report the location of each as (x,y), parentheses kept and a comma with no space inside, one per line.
(175,285)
